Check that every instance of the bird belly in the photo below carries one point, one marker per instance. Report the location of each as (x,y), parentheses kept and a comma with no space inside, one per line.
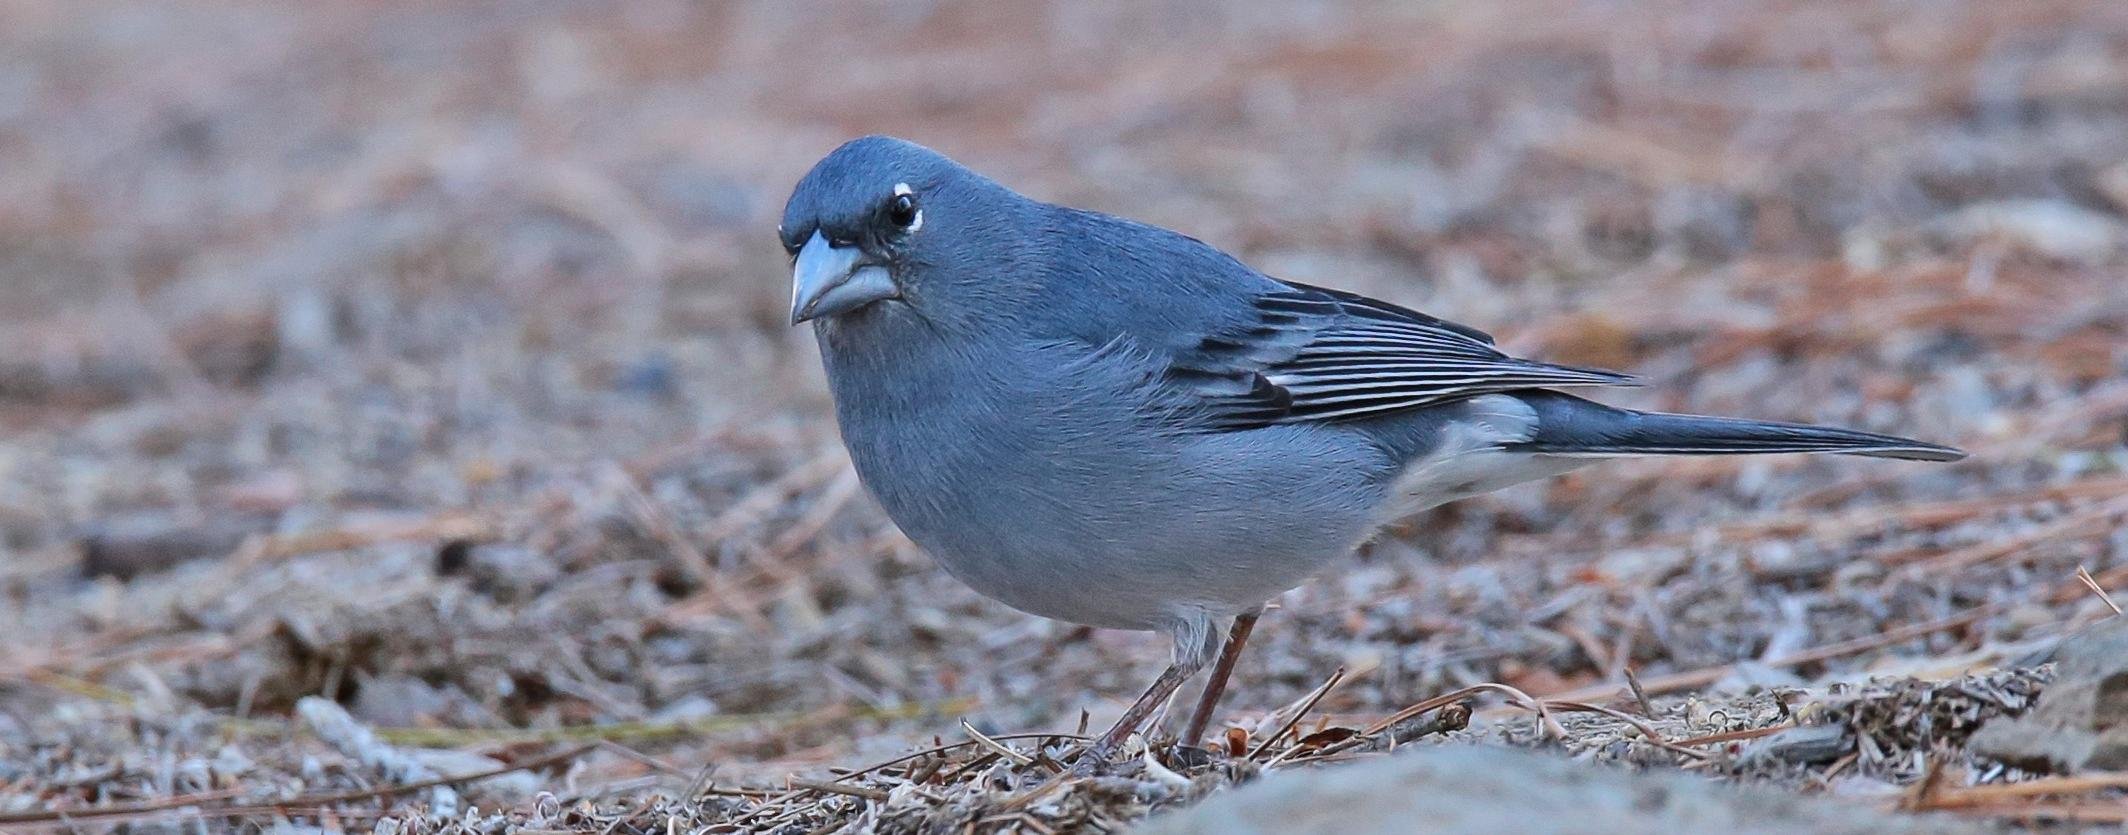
(1054,487)
(1130,531)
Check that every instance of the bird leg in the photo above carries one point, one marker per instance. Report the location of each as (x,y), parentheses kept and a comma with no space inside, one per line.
(1216,686)
(1097,755)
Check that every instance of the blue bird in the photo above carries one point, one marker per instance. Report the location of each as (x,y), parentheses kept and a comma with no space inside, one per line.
(1108,423)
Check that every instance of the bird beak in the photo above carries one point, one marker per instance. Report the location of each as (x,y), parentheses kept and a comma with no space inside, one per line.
(830,279)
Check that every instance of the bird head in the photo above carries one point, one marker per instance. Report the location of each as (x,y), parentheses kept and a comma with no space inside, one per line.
(863,225)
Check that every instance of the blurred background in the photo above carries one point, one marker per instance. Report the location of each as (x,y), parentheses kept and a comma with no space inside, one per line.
(431,357)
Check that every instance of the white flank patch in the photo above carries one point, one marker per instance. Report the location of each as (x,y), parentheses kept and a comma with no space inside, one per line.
(1469,461)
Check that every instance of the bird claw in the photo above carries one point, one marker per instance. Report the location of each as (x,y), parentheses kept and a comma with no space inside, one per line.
(1184,757)
(1097,757)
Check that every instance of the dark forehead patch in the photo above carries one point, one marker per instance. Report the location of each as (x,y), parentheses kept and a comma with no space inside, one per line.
(843,192)
(868,168)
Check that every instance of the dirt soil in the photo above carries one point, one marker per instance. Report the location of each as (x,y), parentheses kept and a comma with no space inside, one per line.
(396,391)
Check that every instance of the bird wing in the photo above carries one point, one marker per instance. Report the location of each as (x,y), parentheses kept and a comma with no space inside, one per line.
(1310,354)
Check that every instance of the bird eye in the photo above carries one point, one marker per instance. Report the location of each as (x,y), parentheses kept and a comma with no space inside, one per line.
(901,211)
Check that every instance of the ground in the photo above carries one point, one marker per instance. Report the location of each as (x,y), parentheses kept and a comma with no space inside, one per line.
(428,362)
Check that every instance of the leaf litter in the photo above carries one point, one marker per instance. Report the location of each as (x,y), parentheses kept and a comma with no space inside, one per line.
(447,389)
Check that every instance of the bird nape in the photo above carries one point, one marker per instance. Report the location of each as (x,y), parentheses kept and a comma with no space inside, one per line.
(1112,424)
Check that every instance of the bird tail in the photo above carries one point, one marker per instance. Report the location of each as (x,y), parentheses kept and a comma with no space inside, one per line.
(1571,426)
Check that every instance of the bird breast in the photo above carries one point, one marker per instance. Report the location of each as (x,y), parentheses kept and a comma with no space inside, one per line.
(1045,477)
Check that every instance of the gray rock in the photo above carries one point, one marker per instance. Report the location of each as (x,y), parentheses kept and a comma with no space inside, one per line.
(129,546)
(2054,229)
(1808,744)
(2081,720)
(1490,789)
(511,786)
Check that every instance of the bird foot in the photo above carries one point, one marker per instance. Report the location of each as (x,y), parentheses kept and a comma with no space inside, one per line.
(1094,759)
(1185,757)
(1097,759)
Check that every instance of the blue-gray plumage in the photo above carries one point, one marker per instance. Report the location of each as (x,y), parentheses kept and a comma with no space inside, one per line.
(1108,423)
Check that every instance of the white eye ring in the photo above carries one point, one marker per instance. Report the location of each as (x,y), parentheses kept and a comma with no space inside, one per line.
(901,189)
